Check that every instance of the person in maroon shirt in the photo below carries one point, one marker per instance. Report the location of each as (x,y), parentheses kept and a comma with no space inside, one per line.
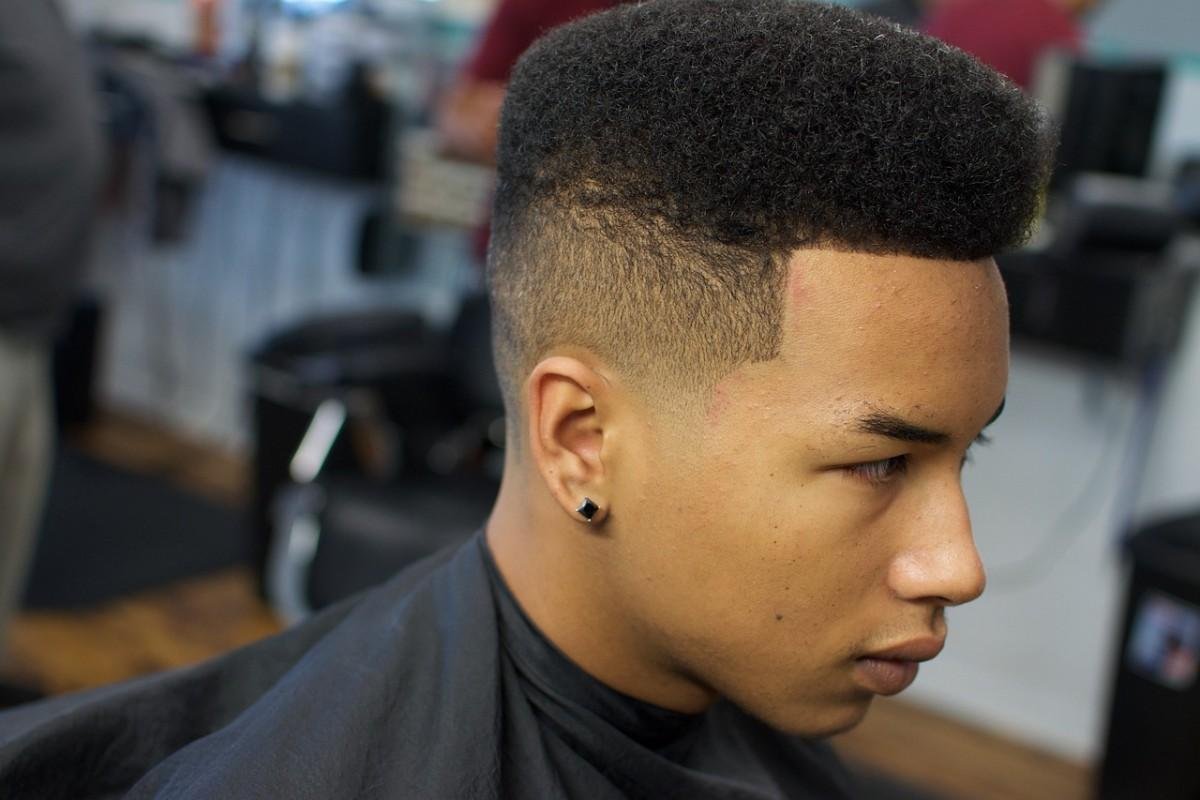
(1010,36)
(470,113)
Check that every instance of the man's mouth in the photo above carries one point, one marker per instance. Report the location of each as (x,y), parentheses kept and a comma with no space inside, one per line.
(892,670)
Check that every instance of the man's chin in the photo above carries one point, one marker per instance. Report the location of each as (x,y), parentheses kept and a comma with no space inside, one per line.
(829,720)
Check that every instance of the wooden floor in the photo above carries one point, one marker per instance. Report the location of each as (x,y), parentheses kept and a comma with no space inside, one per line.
(178,625)
(957,760)
(196,619)
(173,626)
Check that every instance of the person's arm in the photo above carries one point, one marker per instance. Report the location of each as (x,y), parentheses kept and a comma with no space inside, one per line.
(469,114)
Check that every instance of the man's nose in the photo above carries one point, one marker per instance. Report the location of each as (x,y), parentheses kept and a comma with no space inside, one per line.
(940,563)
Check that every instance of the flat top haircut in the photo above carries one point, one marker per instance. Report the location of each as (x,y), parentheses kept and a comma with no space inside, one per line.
(659,162)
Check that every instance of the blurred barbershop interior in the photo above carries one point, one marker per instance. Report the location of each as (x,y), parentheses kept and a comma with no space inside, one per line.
(247,236)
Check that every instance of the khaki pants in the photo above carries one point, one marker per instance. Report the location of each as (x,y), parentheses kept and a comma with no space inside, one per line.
(26,436)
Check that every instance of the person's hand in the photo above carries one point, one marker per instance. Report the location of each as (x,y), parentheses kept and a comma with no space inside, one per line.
(468,120)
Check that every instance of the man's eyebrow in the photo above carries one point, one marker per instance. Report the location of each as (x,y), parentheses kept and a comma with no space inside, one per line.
(881,423)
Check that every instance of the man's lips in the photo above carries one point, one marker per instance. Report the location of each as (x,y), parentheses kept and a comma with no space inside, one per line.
(893,669)
(920,649)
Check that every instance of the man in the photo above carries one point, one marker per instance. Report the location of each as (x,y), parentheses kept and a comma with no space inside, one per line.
(1011,36)
(747,326)
(50,171)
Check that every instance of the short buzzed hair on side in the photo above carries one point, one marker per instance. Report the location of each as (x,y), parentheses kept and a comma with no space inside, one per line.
(658,163)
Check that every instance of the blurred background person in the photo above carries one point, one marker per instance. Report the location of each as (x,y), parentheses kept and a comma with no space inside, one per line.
(50,173)
(1011,36)
(469,113)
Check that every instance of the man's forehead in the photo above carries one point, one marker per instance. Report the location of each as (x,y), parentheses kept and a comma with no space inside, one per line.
(904,307)
(820,274)
(885,338)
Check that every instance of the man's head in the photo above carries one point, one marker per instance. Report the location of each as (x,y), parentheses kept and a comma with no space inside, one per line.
(744,300)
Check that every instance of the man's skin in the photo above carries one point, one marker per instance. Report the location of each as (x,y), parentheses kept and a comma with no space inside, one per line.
(758,547)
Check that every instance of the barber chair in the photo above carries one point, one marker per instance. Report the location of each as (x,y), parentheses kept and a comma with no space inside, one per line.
(400,454)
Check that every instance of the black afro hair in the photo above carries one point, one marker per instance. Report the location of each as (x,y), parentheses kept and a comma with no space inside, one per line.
(774,124)
(659,163)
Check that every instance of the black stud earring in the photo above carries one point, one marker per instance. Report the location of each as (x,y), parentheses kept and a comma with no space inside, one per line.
(587,509)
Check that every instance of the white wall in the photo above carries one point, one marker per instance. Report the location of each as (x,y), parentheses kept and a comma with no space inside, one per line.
(1158,27)
(1172,479)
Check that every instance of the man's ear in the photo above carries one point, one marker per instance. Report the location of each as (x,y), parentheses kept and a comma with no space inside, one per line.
(566,433)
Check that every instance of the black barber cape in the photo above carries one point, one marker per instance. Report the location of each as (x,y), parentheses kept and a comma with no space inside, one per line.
(434,685)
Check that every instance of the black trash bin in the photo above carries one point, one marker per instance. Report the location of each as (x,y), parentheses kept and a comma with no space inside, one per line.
(1153,745)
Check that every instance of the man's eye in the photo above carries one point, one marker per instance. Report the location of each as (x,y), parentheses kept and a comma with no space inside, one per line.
(879,472)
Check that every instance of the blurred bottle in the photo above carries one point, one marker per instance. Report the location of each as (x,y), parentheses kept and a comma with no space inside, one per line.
(208,27)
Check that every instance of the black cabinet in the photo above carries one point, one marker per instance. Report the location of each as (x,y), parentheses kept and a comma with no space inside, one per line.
(344,138)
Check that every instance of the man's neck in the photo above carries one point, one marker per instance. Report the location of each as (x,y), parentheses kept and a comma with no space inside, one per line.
(557,577)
